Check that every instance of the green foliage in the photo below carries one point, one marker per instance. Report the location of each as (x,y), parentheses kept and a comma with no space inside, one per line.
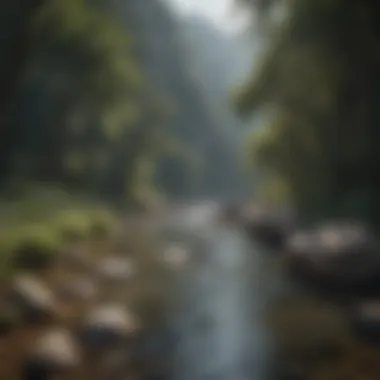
(273,191)
(95,48)
(94,113)
(319,80)
(82,103)
(102,224)
(73,225)
(32,233)
(35,248)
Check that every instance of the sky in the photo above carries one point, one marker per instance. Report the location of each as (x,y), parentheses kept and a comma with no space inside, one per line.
(219,12)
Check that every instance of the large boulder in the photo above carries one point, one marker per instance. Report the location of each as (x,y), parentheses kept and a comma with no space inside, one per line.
(340,255)
(54,352)
(107,327)
(267,225)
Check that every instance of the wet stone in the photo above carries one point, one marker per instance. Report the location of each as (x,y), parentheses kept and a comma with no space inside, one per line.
(114,268)
(269,227)
(336,256)
(31,298)
(54,351)
(107,326)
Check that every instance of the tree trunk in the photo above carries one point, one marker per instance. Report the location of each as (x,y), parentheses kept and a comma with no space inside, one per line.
(17,16)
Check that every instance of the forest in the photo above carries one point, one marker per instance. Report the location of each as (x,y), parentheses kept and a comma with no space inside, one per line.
(105,91)
(318,86)
(123,124)
(102,89)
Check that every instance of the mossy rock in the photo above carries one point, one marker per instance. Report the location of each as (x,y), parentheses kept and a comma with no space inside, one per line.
(100,229)
(72,235)
(34,249)
(73,226)
(32,299)
(102,224)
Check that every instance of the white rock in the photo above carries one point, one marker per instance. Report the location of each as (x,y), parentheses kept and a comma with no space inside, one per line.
(117,268)
(33,291)
(370,310)
(176,255)
(56,346)
(113,317)
(341,236)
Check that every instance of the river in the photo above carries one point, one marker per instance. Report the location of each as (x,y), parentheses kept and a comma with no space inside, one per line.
(221,298)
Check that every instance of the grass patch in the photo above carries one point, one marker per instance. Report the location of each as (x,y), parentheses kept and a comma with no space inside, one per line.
(34,248)
(36,226)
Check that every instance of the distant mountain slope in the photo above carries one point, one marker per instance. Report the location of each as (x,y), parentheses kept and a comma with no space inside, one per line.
(219,62)
(178,58)
(223,59)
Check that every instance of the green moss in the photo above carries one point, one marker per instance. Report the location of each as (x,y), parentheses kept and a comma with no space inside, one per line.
(35,248)
(101,225)
(35,226)
(73,225)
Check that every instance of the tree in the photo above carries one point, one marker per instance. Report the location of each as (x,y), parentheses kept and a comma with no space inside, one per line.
(81,100)
(15,19)
(320,82)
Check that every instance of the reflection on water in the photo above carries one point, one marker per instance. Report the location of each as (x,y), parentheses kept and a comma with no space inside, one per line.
(220,334)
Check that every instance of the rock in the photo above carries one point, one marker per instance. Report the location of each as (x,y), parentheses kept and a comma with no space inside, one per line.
(270,227)
(176,255)
(54,351)
(340,255)
(114,268)
(108,326)
(32,299)
(302,249)
(365,321)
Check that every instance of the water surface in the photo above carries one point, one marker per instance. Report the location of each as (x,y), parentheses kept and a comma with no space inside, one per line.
(221,302)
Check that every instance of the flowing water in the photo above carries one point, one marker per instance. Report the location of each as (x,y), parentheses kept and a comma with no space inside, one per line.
(221,301)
